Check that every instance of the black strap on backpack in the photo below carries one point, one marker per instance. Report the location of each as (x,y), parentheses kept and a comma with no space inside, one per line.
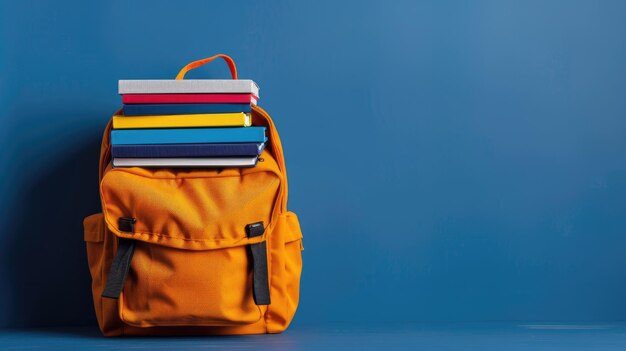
(121,261)
(260,279)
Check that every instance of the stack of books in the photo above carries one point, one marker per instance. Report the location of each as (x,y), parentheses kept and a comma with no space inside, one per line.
(186,123)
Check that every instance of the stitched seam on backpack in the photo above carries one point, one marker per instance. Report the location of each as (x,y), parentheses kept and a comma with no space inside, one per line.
(194,177)
(236,241)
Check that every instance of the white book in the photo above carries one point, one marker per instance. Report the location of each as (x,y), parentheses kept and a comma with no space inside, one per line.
(186,162)
(188,86)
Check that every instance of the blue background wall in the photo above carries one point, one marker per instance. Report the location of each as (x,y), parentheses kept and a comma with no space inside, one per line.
(449,161)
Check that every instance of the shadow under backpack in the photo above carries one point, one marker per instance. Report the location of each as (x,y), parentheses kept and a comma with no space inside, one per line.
(195,251)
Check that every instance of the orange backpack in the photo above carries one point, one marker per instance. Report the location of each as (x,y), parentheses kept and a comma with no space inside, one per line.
(195,251)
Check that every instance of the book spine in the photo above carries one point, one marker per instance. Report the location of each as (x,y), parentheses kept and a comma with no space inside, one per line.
(181,109)
(187,86)
(186,150)
(181,121)
(188,136)
(186,162)
(189,99)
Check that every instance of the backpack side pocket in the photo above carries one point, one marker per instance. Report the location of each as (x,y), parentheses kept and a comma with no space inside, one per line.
(286,267)
(94,239)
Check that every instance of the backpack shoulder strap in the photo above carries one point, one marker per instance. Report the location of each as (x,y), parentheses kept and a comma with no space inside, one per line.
(260,117)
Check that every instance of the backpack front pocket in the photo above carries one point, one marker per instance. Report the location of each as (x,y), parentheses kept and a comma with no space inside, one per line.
(194,243)
(168,287)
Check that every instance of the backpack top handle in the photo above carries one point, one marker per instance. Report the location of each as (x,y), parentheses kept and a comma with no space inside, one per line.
(196,64)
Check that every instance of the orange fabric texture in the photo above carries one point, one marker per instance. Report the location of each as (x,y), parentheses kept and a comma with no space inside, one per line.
(191,269)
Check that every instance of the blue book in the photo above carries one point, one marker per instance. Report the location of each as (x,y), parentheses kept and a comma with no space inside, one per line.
(187,150)
(188,136)
(182,109)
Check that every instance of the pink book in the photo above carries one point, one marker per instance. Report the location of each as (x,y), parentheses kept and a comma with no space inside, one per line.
(189,99)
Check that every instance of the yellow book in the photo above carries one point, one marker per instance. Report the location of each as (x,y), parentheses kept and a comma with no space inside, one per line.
(183,121)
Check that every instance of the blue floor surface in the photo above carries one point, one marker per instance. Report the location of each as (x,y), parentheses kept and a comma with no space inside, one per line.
(385,337)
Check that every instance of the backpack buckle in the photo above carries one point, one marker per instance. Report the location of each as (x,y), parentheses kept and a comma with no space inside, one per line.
(126,224)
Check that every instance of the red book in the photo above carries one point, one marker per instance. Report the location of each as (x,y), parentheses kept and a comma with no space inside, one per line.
(189,99)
